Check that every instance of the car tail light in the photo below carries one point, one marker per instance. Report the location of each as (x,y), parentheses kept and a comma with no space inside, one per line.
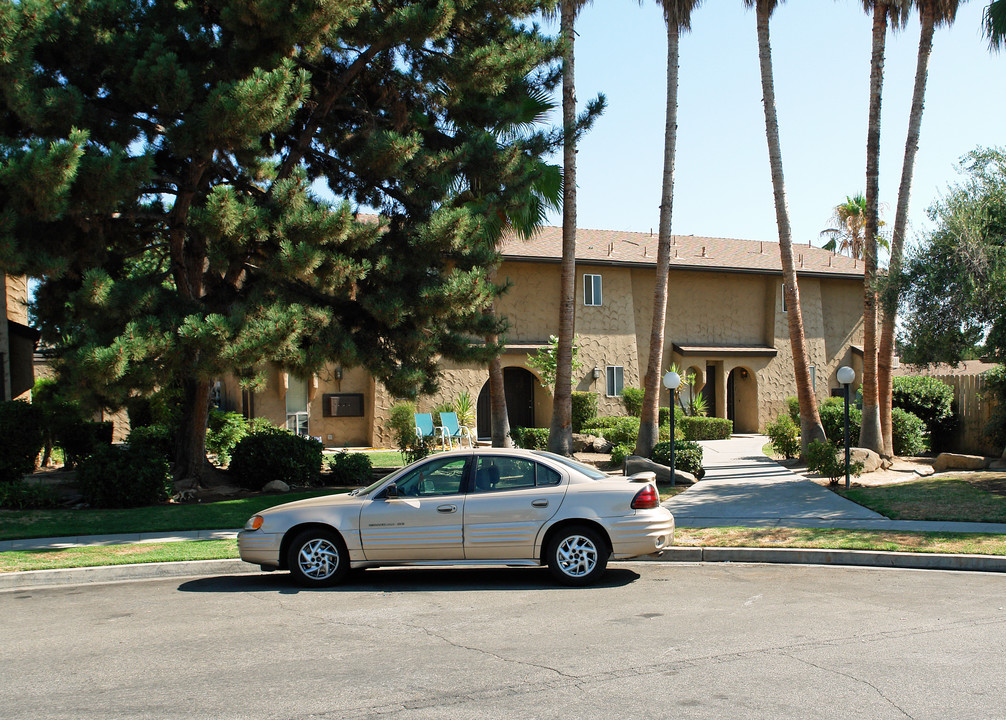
(646,499)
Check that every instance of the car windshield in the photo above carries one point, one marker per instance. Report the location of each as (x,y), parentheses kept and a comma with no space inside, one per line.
(592,473)
(369,489)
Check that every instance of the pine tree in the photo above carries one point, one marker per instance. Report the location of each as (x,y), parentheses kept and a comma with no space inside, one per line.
(160,164)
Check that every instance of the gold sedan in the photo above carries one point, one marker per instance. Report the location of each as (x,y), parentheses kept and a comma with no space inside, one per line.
(482,506)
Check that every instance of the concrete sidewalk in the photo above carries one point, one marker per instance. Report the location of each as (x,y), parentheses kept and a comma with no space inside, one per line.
(744,488)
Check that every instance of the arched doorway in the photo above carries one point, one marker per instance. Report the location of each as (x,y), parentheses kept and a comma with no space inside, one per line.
(742,400)
(518,384)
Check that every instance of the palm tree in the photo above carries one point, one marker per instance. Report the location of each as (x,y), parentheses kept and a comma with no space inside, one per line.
(810,420)
(994,20)
(895,13)
(677,16)
(932,14)
(560,436)
(847,235)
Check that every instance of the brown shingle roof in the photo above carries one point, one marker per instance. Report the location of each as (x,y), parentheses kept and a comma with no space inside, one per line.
(689,252)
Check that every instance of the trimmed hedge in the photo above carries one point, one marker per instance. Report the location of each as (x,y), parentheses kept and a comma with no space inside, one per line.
(931,401)
(632,398)
(697,427)
(687,456)
(832,412)
(21,439)
(530,438)
(115,476)
(276,454)
(584,408)
(907,433)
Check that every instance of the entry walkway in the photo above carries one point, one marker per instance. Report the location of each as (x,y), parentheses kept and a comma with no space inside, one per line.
(744,488)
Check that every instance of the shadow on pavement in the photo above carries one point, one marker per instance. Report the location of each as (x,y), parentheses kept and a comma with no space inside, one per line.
(395,580)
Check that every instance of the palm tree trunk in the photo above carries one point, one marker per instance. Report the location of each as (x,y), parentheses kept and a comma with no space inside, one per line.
(870,434)
(497,399)
(560,436)
(810,421)
(885,359)
(649,424)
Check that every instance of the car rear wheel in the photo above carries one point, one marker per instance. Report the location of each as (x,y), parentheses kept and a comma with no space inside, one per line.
(577,555)
(318,558)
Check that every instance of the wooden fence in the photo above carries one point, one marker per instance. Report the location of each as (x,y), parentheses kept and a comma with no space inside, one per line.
(973,412)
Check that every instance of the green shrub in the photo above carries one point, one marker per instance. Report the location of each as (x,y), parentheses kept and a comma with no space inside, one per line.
(931,401)
(442,407)
(276,454)
(995,391)
(530,438)
(619,453)
(154,440)
(584,409)
(625,431)
(907,433)
(402,424)
(785,436)
(826,458)
(600,421)
(28,496)
(123,477)
(21,439)
(351,469)
(687,456)
(632,398)
(664,414)
(706,428)
(832,413)
(793,407)
(223,432)
(79,438)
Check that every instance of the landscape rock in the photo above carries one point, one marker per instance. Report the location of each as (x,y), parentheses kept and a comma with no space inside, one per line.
(583,443)
(955,461)
(635,464)
(871,460)
(924,471)
(998,464)
(276,486)
(601,445)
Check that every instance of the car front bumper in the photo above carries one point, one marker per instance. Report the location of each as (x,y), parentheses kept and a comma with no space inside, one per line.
(259,548)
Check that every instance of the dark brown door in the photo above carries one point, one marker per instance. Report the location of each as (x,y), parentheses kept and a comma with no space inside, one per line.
(518,384)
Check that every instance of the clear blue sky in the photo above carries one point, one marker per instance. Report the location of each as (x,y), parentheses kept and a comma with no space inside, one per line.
(821,54)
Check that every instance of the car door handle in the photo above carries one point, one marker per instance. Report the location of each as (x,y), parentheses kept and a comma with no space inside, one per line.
(541,502)
(447,508)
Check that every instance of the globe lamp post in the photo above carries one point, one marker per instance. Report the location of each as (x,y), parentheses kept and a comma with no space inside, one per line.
(671,381)
(846,376)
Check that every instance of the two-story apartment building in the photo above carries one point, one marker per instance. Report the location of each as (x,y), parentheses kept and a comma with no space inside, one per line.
(726,323)
(17,340)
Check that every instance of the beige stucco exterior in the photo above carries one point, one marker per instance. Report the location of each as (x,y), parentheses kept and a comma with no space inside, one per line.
(17,340)
(727,324)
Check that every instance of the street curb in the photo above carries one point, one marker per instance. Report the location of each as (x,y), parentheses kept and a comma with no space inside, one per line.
(33,579)
(859,558)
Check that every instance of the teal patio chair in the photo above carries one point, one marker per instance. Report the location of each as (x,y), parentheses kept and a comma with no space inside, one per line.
(425,429)
(453,431)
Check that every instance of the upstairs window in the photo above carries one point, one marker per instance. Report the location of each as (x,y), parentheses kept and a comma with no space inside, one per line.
(592,290)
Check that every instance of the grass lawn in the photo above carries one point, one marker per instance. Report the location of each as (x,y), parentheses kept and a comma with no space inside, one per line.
(18,561)
(960,498)
(221,515)
(385,458)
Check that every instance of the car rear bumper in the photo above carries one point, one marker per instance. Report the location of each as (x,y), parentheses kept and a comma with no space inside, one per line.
(259,548)
(645,533)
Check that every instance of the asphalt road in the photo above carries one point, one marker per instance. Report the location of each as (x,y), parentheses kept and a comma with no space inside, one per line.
(656,640)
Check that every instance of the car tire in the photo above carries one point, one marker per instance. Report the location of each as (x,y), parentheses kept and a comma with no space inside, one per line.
(577,555)
(318,558)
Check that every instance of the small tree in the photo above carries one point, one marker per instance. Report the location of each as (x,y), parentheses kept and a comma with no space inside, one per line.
(545,360)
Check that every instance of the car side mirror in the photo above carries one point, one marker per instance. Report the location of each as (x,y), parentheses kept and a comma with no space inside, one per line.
(391,491)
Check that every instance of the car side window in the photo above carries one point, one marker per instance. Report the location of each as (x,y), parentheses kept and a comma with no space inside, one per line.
(437,477)
(510,473)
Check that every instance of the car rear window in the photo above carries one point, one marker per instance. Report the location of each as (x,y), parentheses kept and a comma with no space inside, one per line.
(592,473)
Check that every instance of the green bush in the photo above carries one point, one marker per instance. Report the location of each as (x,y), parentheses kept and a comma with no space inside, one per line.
(584,409)
(995,391)
(402,424)
(21,439)
(624,431)
(351,469)
(601,421)
(706,428)
(785,436)
(632,398)
(223,432)
(619,453)
(79,438)
(28,496)
(907,433)
(530,438)
(687,456)
(793,407)
(931,401)
(832,412)
(123,477)
(276,454)
(824,457)
(154,440)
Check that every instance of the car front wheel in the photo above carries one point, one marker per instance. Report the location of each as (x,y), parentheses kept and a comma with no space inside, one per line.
(577,556)
(318,558)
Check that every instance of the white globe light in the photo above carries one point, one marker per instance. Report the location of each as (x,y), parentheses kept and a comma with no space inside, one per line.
(672,380)
(846,375)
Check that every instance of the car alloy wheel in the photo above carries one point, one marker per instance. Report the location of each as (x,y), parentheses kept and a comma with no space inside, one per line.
(318,558)
(578,556)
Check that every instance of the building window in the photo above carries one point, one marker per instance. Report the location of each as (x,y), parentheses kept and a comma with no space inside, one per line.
(782,298)
(591,289)
(616,380)
(813,378)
